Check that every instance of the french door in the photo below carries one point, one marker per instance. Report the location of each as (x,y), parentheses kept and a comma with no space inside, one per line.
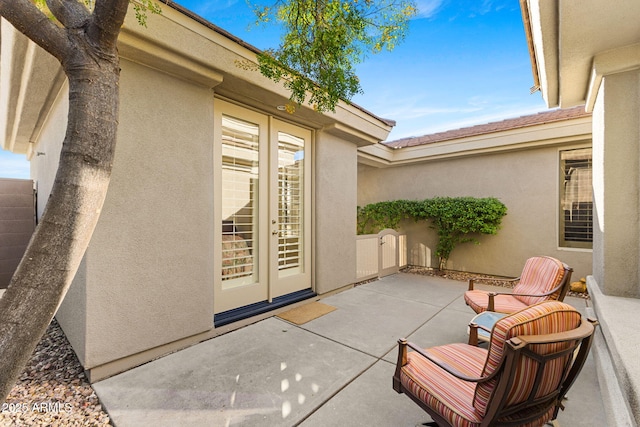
(262,178)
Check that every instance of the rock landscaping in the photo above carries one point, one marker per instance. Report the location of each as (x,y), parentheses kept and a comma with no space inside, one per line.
(464,276)
(53,389)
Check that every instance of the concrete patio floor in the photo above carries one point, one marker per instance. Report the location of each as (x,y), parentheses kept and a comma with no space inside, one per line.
(335,370)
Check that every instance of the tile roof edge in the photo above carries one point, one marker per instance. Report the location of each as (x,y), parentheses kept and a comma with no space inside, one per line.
(536,119)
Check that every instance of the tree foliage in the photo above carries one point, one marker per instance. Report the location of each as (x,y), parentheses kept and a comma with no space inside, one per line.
(456,219)
(324,40)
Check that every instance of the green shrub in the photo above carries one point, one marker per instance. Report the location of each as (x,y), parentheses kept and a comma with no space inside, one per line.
(377,216)
(456,219)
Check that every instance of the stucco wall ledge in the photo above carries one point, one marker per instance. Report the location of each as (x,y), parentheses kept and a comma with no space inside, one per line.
(622,342)
(612,61)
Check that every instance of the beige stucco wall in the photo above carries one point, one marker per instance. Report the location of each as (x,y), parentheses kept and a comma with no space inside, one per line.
(526,181)
(616,174)
(335,209)
(149,263)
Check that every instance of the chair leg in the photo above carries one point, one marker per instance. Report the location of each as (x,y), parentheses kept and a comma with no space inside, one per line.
(554,423)
(429,424)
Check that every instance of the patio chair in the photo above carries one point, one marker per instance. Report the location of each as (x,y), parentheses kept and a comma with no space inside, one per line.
(533,358)
(543,279)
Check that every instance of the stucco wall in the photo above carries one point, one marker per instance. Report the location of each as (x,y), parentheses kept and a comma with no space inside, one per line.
(616,132)
(335,212)
(151,264)
(525,181)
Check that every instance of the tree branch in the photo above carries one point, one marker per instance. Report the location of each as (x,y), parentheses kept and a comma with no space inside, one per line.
(34,24)
(108,17)
(71,13)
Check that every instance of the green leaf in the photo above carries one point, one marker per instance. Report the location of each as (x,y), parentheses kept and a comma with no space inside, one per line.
(323,42)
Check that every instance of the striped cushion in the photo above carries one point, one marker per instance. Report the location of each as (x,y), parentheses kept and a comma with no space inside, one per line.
(449,396)
(446,394)
(479,300)
(539,275)
(545,318)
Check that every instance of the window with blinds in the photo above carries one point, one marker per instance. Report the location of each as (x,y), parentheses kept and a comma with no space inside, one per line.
(240,168)
(576,199)
(290,201)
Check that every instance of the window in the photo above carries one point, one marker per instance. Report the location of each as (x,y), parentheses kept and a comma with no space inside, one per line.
(240,174)
(576,199)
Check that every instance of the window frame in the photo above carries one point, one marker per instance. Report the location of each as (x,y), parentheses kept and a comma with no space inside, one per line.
(563,243)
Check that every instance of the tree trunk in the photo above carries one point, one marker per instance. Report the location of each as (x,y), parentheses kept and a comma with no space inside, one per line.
(65,228)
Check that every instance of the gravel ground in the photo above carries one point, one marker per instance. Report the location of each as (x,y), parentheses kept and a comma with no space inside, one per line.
(480,278)
(53,390)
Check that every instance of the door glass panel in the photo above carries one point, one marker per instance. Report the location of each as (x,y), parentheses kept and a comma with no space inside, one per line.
(290,203)
(240,169)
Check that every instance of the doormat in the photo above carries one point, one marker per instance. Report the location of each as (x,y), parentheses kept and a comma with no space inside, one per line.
(306,313)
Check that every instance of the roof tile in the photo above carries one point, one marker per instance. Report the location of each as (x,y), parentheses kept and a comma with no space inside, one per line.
(513,123)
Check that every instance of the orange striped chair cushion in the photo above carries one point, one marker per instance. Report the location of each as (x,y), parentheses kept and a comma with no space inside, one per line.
(479,300)
(447,395)
(539,275)
(544,318)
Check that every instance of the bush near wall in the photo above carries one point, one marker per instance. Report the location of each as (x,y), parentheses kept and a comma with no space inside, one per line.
(456,219)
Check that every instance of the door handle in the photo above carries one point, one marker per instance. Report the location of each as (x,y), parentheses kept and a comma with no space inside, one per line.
(274,232)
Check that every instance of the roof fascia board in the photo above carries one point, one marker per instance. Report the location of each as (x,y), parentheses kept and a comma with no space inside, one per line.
(351,134)
(612,61)
(377,155)
(550,134)
(177,43)
(30,78)
(544,33)
(526,20)
(143,50)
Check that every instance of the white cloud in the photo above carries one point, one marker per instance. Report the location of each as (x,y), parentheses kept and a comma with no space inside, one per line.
(428,8)
(209,7)
(455,119)
(411,112)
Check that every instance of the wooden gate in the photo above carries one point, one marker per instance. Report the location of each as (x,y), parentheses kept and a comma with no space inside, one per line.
(391,252)
(381,254)
(17,222)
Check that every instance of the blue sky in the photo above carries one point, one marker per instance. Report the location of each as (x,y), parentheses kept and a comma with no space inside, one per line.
(463,62)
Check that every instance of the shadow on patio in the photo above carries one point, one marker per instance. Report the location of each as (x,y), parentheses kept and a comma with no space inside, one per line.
(335,370)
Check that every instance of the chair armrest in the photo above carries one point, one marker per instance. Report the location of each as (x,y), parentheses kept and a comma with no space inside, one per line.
(473,333)
(474,325)
(404,343)
(491,306)
(585,329)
